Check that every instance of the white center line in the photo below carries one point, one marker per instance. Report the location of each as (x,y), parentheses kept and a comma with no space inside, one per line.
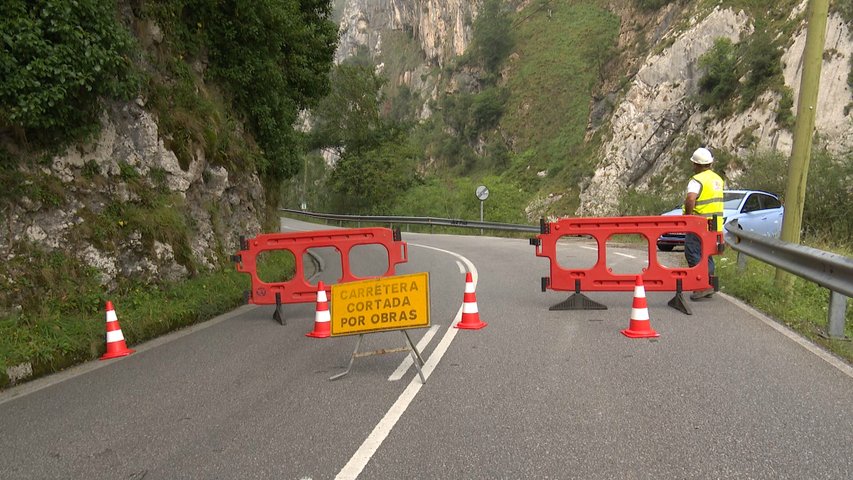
(365,452)
(624,255)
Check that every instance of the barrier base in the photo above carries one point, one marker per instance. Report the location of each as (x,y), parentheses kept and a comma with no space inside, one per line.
(680,304)
(278,314)
(578,301)
(678,301)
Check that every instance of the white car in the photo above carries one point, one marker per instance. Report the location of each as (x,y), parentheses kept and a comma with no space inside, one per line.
(755,210)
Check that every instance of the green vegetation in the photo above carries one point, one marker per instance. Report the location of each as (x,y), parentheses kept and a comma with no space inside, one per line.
(720,80)
(493,37)
(651,5)
(550,87)
(268,81)
(757,60)
(454,198)
(54,74)
(68,327)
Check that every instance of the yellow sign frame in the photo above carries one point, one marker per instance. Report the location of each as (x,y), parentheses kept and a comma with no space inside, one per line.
(382,304)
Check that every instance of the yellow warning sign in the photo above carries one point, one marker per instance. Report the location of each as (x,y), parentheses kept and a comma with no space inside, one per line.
(390,303)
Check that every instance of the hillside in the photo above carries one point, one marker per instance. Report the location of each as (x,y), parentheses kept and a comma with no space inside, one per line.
(592,107)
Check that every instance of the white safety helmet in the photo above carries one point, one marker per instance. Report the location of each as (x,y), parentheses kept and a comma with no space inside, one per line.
(702,156)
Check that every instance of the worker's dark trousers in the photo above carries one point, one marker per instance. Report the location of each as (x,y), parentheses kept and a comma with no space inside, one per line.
(693,252)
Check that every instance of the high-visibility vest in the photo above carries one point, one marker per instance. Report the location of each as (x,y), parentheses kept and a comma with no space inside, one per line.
(709,202)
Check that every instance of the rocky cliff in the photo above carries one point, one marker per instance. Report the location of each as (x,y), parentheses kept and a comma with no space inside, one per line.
(652,114)
(127,160)
(650,123)
(441,27)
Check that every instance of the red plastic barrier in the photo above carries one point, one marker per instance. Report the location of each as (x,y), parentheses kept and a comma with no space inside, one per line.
(600,278)
(298,290)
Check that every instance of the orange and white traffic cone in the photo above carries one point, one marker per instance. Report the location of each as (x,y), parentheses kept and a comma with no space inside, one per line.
(470,314)
(116,346)
(322,317)
(640,326)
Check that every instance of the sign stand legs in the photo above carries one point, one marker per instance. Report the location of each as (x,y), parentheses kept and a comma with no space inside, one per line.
(410,347)
(416,356)
(354,354)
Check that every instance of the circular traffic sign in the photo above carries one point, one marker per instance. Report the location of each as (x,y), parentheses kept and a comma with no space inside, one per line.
(482,192)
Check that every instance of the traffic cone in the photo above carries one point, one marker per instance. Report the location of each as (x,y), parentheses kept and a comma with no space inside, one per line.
(470,314)
(640,327)
(322,318)
(116,346)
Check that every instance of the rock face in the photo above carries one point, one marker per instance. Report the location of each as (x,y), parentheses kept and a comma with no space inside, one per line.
(218,205)
(655,116)
(442,27)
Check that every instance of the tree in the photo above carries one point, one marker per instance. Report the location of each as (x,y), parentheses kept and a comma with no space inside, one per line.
(58,59)
(274,56)
(492,40)
(368,181)
(720,80)
(348,118)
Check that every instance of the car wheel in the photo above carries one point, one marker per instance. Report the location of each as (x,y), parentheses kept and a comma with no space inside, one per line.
(665,248)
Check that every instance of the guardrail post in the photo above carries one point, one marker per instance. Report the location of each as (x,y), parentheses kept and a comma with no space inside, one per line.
(837,314)
(741,262)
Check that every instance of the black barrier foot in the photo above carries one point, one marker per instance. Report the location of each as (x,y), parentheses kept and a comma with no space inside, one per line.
(578,301)
(678,302)
(278,315)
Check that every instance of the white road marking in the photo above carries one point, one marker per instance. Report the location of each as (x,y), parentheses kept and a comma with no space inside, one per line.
(589,248)
(407,361)
(365,452)
(461,267)
(624,255)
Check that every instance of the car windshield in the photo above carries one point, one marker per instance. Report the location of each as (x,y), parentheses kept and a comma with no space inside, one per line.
(731,200)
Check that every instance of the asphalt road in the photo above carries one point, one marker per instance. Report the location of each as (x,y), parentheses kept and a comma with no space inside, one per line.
(724,393)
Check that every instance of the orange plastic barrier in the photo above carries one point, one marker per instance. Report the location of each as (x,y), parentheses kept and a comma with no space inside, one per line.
(297,289)
(600,278)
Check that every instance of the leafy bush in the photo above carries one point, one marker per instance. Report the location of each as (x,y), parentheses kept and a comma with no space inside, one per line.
(348,117)
(59,58)
(270,81)
(369,181)
(487,109)
(644,203)
(757,60)
(720,80)
(762,59)
(454,198)
(493,36)
(651,5)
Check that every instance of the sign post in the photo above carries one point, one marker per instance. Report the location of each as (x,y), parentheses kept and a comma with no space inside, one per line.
(382,304)
(482,193)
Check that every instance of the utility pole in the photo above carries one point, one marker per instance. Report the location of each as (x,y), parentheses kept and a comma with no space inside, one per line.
(798,166)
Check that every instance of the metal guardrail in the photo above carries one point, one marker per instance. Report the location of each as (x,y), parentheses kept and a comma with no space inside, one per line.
(829,270)
(433,221)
